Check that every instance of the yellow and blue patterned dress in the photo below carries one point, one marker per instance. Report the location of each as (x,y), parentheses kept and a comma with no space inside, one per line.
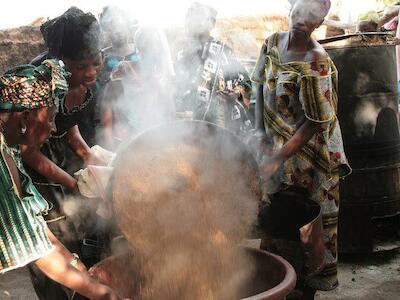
(23,237)
(293,93)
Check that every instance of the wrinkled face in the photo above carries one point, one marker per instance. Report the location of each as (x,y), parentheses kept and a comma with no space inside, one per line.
(40,123)
(84,72)
(306,15)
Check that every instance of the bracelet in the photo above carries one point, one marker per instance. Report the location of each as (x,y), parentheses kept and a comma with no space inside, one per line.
(75,260)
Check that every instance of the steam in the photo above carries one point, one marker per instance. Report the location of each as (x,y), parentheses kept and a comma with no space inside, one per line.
(184,199)
(365,119)
(376,116)
(141,89)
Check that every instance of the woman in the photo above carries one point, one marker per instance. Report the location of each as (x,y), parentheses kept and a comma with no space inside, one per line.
(211,83)
(118,28)
(139,94)
(29,100)
(296,109)
(73,37)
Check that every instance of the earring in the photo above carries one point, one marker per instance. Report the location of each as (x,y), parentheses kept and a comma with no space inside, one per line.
(23,130)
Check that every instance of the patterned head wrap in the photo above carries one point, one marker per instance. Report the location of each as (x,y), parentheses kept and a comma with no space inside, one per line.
(29,87)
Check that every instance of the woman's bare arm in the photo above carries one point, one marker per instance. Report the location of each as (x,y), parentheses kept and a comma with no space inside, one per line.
(57,268)
(78,144)
(76,263)
(59,247)
(306,131)
(299,139)
(260,108)
(44,166)
(107,124)
(81,148)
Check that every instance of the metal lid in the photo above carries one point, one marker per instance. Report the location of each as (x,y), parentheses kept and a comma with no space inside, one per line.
(365,39)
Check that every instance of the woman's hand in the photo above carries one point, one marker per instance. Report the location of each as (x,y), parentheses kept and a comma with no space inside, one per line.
(57,267)
(110,294)
(101,277)
(269,165)
(258,144)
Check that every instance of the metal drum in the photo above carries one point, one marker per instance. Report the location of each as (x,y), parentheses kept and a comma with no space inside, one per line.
(368,115)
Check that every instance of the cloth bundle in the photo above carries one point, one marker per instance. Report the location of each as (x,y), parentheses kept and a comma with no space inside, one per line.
(93,180)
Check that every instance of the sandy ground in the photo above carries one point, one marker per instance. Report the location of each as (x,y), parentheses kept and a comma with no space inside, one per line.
(373,277)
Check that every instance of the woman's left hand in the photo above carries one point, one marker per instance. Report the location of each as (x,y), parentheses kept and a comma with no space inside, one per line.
(269,165)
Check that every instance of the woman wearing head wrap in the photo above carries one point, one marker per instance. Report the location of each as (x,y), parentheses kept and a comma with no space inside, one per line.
(139,94)
(73,37)
(296,111)
(29,100)
(118,28)
(211,83)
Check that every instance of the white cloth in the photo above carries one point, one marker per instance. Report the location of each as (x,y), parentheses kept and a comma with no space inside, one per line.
(92,181)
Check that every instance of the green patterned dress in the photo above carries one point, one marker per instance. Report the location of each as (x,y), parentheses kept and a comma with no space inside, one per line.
(23,237)
(295,92)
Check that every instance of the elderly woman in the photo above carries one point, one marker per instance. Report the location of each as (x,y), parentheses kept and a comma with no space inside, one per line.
(296,109)
(29,100)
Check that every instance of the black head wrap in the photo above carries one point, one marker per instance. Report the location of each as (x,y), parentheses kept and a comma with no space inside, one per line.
(74,34)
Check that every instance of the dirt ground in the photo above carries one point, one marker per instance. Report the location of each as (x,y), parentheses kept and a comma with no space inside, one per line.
(367,277)
(372,277)
(15,285)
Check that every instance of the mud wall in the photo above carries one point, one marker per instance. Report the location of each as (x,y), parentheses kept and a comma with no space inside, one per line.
(19,46)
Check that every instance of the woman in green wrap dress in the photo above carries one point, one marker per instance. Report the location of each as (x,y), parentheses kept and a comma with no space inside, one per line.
(29,100)
(296,111)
